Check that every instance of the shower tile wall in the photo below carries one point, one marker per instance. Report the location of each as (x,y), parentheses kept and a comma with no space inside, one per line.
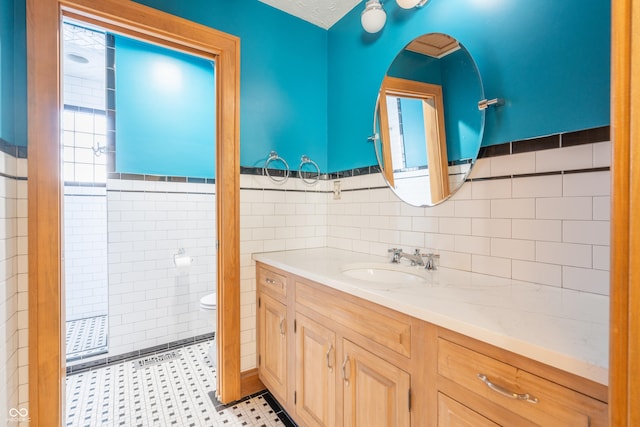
(150,301)
(84,92)
(14,354)
(85,233)
(551,229)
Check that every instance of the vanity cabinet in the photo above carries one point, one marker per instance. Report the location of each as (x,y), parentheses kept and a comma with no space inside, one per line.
(333,359)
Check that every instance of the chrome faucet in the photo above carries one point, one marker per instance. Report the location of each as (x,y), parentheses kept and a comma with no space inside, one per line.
(415,258)
(431,261)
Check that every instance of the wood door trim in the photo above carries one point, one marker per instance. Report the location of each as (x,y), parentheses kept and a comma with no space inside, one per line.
(624,390)
(46,363)
(624,364)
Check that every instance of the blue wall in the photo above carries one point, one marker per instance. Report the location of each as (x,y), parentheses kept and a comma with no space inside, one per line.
(13,72)
(308,91)
(548,59)
(165,111)
(283,80)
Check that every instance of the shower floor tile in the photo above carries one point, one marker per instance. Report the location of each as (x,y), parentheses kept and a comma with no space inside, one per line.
(174,392)
(86,337)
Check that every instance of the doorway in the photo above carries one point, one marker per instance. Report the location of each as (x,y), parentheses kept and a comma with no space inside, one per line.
(46,291)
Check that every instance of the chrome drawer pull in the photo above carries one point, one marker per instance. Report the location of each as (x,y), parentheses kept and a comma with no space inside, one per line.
(506,392)
(270,281)
(328,361)
(346,376)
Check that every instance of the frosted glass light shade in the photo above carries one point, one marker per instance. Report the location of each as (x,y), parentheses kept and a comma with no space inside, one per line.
(410,4)
(373,17)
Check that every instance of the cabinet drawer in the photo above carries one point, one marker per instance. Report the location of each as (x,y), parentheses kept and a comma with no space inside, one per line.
(379,325)
(452,413)
(272,282)
(505,385)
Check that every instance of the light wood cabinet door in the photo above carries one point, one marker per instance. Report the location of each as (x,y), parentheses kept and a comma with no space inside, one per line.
(272,339)
(315,373)
(454,414)
(376,393)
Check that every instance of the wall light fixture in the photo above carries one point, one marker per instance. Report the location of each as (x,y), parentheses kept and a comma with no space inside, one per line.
(374,17)
(410,4)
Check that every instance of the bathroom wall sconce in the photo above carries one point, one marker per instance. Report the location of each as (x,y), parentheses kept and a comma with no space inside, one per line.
(374,17)
(410,4)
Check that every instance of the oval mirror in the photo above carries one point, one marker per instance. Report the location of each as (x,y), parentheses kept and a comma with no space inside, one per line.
(427,125)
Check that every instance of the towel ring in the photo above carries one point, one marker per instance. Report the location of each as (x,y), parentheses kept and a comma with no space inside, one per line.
(305,175)
(273,156)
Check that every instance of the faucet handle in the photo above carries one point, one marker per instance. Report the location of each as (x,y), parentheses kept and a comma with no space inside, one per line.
(396,254)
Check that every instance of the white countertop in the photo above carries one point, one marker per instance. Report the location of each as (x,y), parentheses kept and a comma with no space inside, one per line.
(559,327)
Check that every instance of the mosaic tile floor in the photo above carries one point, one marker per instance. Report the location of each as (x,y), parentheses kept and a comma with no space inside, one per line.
(173,392)
(86,337)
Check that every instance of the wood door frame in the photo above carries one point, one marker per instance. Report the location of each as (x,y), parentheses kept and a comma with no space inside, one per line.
(624,370)
(46,309)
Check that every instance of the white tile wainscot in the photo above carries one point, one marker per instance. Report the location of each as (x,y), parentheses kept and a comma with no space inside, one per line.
(562,328)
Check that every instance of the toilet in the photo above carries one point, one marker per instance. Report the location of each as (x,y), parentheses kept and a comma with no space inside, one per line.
(208,303)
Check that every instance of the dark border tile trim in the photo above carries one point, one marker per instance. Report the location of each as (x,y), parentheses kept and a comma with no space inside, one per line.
(601,169)
(558,140)
(87,366)
(495,150)
(159,178)
(84,184)
(278,412)
(536,144)
(17,178)
(287,190)
(587,136)
(529,175)
(17,151)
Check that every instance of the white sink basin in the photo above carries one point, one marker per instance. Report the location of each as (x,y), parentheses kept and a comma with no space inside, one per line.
(385,273)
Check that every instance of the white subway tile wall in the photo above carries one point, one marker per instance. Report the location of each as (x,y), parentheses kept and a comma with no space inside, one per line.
(549,229)
(85,244)
(14,356)
(151,301)
(275,217)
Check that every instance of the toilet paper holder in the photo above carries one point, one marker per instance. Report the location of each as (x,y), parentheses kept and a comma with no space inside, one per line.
(181,259)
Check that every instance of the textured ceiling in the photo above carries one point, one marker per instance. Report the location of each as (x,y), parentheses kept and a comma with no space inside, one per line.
(323,13)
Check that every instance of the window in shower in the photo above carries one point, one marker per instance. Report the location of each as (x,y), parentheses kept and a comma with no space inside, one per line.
(84,161)
(84,136)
